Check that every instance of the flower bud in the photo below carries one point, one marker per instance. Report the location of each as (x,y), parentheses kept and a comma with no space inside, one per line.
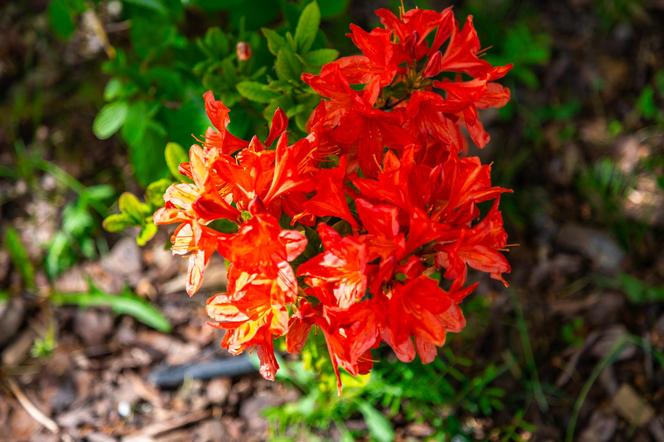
(243,51)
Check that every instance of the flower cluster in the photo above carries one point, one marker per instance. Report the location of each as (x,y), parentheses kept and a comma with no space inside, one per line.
(364,229)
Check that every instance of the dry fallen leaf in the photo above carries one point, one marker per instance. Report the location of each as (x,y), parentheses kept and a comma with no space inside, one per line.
(630,405)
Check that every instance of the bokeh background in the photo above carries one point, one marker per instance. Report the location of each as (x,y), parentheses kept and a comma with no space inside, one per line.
(98,341)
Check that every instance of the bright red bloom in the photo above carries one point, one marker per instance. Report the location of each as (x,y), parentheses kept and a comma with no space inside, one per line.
(384,175)
(261,285)
(421,311)
(478,247)
(341,267)
(349,333)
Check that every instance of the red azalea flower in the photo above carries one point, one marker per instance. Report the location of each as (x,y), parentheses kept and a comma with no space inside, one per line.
(385,163)
(341,266)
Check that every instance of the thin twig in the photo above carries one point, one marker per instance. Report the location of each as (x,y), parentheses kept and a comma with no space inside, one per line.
(31,409)
(100,32)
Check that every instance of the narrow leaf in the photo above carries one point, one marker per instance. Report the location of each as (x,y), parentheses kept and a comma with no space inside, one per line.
(307,27)
(258,92)
(126,303)
(379,427)
(288,66)
(19,257)
(274,40)
(154,5)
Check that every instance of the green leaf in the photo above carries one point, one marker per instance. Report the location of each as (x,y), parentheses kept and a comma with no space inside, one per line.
(117,222)
(257,92)
(646,103)
(307,27)
(59,256)
(319,57)
(147,232)
(133,208)
(333,8)
(126,303)
(274,40)
(19,257)
(113,89)
(638,291)
(62,15)
(175,155)
(287,65)
(98,193)
(154,5)
(154,194)
(379,427)
(147,155)
(109,119)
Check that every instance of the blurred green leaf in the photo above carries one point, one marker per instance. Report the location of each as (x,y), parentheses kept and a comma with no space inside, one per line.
(113,89)
(146,153)
(307,27)
(147,232)
(151,34)
(59,255)
(133,208)
(646,104)
(288,66)
(19,257)
(109,119)
(379,426)
(175,155)
(274,40)
(154,5)
(319,57)
(257,92)
(117,222)
(638,291)
(333,8)
(154,194)
(98,193)
(126,303)
(62,15)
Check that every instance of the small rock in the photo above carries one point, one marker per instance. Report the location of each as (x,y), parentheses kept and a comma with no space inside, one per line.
(601,428)
(73,280)
(419,430)
(4,264)
(630,405)
(11,317)
(252,408)
(595,245)
(18,350)
(211,430)
(93,326)
(218,389)
(64,396)
(99,437)
(124,259)
(124,409)
(607,308)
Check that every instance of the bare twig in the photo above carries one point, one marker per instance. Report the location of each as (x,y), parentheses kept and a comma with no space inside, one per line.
(35,412)
(159,428)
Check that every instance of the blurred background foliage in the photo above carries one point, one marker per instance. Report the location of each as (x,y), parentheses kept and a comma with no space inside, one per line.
(100,100)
